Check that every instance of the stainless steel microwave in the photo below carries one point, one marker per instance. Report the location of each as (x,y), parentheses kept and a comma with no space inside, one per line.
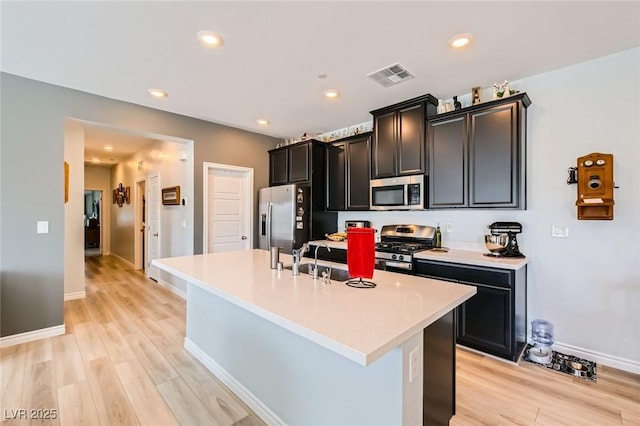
(399,193)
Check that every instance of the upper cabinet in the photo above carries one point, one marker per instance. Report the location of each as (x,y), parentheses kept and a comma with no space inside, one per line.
(477,155)
(297,163)
(348,173)
(399,137)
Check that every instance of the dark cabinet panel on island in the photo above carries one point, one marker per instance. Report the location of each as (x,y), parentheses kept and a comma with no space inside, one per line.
(494,320)
(398,147)
(348,173)
(477,155)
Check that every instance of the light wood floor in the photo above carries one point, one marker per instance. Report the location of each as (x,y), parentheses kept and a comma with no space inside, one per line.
(122,362)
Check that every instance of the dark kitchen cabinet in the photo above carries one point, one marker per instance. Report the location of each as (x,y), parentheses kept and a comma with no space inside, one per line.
(296,163)
(398,146)
(477,155)
(299,163)
(494,320)
(279,167)
(348,173)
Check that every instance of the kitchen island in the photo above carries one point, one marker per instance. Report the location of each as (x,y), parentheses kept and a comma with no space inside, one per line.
(302,352)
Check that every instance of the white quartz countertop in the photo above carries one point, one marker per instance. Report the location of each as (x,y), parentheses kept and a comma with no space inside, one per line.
(464,257)
(359,324)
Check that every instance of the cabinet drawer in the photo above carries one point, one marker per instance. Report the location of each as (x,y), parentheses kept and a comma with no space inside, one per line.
(473,274)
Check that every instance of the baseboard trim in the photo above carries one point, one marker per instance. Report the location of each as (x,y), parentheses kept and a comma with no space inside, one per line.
(30,336)
(604,359)
(122,259)
(236,387)
(76,295)
(173,289)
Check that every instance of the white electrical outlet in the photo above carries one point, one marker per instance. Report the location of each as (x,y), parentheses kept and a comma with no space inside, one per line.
(414,364)
(449,227)
(559,231)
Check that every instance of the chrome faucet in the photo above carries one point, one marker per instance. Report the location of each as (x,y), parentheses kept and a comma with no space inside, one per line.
(297,256)
(315,260)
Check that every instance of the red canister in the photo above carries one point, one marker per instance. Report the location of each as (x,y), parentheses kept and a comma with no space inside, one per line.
(361,252)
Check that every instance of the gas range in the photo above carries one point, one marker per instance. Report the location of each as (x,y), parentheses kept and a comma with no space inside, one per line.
(399,242)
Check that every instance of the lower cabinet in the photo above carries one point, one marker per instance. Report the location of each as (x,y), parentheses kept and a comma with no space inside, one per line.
(493,321)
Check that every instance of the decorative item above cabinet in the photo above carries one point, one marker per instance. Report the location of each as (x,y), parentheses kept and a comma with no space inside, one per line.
(398,146)
(477,155)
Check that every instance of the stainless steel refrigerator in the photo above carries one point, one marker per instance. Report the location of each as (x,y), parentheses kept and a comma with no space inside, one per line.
(284,217)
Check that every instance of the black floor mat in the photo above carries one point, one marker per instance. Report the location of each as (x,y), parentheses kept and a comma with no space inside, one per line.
(568,364)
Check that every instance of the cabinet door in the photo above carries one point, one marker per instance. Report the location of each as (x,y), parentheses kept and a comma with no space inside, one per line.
(336,183)
(358,173)
(411,141)
(484,321)
(493,157)
(299,163)
(385,152)
(278,167)
(448,162)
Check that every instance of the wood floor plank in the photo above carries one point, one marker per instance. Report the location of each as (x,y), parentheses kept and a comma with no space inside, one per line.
(110,399)
(186,406)
(219,401)
(91,347)
(115,344)
(158,368)
(68,361)
(12,367)
(145,398)
(39,394)
(76,405)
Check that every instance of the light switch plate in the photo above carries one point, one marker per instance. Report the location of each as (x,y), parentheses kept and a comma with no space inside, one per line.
(42,227)
(559,231)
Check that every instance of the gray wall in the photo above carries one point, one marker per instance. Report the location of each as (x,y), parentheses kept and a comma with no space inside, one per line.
(31,184)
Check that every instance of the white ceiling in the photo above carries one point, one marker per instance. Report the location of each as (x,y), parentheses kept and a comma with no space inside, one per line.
(274,52)
(124,145)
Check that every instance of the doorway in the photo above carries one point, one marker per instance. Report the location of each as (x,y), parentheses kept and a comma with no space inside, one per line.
(140,254)
(228,208)
(92,223)
(152,224)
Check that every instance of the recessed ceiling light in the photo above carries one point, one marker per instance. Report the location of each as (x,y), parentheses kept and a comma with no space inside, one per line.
(263,121)
(460,40)
(331,94)
(210,39)
(108,148)
(157,93)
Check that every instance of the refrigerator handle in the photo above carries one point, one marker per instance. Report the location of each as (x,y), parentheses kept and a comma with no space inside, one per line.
(269,227)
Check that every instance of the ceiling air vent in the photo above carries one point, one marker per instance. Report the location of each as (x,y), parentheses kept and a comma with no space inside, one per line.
(390,75)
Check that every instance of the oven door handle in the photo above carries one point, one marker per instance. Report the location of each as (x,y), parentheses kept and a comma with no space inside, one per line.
(399,265)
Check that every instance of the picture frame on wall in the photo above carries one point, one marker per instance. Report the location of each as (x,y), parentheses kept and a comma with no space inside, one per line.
(115,196)
(171,196)
(127,195)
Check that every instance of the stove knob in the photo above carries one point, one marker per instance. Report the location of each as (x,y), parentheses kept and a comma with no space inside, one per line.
(401,257)
(394,257)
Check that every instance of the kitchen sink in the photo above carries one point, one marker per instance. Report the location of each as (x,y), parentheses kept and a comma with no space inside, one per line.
(336,274)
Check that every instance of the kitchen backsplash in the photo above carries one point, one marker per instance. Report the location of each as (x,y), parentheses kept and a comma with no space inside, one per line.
(469,226)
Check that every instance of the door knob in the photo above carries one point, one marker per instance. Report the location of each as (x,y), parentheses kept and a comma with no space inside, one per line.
(244,237)
(155,235)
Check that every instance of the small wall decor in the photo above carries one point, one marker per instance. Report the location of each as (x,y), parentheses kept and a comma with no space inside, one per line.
(171,195)
(595,187)
(127,195)
(66,182)
(120,195)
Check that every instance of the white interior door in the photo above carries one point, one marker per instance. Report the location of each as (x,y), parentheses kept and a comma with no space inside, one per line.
(228,208)
(153,223)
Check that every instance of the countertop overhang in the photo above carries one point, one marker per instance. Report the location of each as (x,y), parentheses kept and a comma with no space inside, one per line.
(359,324)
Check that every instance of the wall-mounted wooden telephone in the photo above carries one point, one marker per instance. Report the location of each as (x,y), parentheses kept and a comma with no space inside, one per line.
(595,187)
